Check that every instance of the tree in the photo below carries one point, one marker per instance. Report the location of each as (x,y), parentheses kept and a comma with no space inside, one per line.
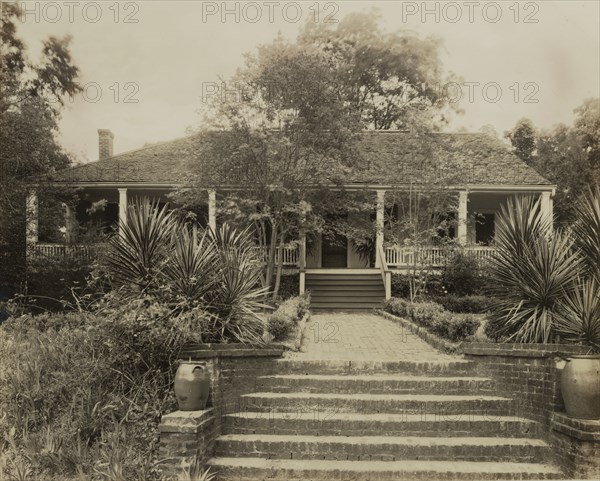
(289,133)
(523,140)
(387,79)
(568,156)
(30,104)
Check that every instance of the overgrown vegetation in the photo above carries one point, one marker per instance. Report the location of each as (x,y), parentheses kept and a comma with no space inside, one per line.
(82,393)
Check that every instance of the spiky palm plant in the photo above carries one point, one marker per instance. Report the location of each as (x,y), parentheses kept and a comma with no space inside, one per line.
(238,294)
(136,255)
(217,272)
(579,319)
(532,269)
(192,270)
(586,229)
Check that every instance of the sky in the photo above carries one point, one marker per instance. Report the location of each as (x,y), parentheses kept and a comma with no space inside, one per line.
(146,65)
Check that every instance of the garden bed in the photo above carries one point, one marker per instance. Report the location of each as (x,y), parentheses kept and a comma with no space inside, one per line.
(435,341)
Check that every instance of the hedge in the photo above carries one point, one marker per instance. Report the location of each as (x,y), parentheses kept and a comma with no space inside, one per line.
(434,318)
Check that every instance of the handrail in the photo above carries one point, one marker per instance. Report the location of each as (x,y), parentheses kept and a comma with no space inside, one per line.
(386,273)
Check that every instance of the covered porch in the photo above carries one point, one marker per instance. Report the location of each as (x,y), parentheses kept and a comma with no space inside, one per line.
(474,231)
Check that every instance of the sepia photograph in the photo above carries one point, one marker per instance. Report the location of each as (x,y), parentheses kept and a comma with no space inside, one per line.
(299,240)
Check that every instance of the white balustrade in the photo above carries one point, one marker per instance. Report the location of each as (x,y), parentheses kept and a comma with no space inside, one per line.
(433,256)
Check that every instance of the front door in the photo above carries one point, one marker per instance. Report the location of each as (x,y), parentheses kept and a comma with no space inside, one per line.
(334,251)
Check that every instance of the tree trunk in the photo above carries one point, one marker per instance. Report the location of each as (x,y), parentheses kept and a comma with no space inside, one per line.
(279,268)
(271,256)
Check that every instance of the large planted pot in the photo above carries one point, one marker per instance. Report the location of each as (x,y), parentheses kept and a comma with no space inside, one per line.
(192,383)
(580,387)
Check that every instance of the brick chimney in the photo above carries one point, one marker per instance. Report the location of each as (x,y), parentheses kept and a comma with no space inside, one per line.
(105,143)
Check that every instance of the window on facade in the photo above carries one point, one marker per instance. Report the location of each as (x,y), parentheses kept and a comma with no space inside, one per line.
(97,219)
(484,229)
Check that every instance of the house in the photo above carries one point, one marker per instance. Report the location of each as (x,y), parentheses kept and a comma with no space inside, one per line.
(481,171)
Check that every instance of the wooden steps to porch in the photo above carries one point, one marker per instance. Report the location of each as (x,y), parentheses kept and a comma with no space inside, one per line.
(345,290)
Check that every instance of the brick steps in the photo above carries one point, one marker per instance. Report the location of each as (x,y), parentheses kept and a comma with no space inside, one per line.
(343,291)
(445,405)
(250,469)
(320,423)
(381,448)
(374,384)
(378,420)
(430,368)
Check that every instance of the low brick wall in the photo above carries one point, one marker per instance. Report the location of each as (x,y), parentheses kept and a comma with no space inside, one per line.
(234,370)
(530,374)
(186,437)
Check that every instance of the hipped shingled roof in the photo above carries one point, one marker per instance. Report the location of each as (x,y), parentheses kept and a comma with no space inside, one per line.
(389,157)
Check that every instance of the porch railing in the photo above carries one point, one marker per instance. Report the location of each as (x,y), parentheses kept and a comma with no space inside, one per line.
(73,251)
(90,251)
(397,256)
(386,274)
(291,254)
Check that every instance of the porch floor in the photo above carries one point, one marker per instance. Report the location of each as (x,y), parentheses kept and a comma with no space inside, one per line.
(362,336)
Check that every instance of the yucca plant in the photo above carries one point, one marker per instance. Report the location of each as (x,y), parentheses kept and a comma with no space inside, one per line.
(586,229)
(532,270)
(238,293)
(141,248)
(217,272)
(192,270)
(579,319)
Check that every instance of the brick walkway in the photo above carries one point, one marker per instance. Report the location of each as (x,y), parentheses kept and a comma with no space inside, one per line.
(362,336)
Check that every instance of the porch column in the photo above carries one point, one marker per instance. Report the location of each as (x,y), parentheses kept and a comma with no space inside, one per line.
(212,209)
(302,252)
(69,223)
(463,197)
(380,224)
(122,209)
(32,217)
(302,261)
(546,205)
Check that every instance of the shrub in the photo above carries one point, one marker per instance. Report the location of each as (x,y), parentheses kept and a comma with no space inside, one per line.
(461,275)
(397,307)
(434,318)
(282,322)
(280,325)
(457,328)
(401,286)
(290,286)
(464,304)
(424,313)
